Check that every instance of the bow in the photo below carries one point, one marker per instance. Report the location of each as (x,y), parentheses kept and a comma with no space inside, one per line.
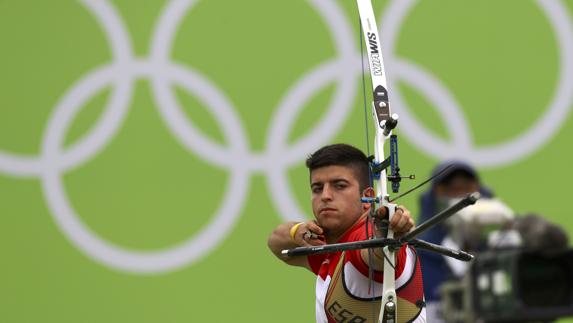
(384,123)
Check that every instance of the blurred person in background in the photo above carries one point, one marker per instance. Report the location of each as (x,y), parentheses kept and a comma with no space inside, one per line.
(460,180)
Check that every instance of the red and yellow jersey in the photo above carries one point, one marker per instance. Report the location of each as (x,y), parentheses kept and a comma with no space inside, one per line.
(344,293)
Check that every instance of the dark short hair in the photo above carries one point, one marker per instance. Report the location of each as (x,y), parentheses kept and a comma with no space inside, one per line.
(457,173)
(457,169)
(342,155)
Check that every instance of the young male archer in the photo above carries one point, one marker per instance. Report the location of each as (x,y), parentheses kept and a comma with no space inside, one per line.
(345,289)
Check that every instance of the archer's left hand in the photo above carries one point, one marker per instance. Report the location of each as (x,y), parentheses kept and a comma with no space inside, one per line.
(401,222)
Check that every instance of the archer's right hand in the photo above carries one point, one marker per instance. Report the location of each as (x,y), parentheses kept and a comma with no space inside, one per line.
(308,234)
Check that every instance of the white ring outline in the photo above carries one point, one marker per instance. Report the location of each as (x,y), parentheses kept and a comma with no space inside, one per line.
(85,239)
(488,156)
(123,72)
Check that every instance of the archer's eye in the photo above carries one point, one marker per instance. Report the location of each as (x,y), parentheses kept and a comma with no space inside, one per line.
(316,189)
(341,186)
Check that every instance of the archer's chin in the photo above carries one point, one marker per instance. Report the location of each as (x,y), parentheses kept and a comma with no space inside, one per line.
(329,223)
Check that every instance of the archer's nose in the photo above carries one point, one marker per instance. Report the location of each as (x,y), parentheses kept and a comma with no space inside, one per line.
(326,194)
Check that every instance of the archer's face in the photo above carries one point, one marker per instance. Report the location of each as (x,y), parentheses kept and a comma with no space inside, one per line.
(335,199)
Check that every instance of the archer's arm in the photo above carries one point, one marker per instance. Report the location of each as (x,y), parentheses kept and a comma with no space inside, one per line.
(280,239)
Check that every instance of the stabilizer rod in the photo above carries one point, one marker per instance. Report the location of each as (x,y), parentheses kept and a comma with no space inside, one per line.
(466,201)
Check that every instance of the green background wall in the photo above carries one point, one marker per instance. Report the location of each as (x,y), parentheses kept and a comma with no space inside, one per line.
(145,191)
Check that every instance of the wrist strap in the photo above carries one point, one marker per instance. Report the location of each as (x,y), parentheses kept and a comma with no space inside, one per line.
(293,230)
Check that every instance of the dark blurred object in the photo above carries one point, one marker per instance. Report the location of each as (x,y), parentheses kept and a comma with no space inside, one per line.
(540,234)
(533,283)
(512,286)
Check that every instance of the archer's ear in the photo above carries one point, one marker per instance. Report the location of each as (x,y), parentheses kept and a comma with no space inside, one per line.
(368,192)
